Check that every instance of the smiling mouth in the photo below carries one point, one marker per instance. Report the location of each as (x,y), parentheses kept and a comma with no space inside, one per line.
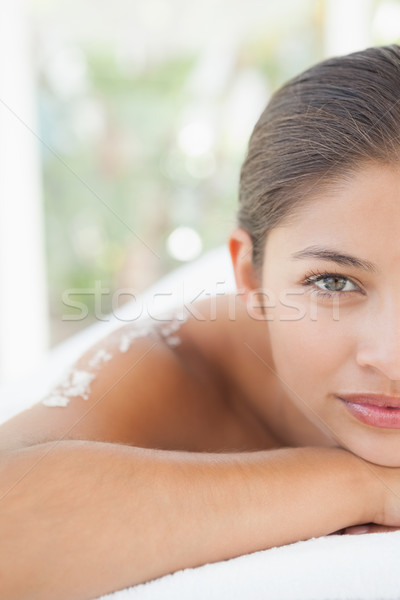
(381,400)
(376,410)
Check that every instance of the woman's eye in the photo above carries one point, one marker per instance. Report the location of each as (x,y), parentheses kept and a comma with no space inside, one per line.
(328,284)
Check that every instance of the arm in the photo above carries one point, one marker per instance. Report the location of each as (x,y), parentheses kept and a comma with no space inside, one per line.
(84,518)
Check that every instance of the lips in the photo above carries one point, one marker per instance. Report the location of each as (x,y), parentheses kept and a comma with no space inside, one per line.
(377,410)
(372,399)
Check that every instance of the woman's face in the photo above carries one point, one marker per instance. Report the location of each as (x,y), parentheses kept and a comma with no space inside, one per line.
(333,337)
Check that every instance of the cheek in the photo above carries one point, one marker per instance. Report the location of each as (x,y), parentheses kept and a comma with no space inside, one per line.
(312,341)
(308,352)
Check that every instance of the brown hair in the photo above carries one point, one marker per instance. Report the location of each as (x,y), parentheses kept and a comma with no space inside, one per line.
(319,127)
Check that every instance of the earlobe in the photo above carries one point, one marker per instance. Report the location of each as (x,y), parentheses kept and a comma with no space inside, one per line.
(240,248)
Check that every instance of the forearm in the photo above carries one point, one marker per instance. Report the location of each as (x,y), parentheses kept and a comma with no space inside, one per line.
(81,519)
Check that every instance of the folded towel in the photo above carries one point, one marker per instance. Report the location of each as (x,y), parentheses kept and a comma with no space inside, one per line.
(335,567)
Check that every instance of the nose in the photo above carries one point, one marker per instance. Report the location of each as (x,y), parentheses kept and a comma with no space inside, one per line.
(379,342)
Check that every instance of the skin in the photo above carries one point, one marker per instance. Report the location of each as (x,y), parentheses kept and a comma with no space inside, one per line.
(342,343)
(321,346)
(275,386)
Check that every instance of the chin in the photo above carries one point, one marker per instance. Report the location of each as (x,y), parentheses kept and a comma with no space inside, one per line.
(377,455)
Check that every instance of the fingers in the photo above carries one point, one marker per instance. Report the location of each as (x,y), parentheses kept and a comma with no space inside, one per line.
(368,528)
(357,530)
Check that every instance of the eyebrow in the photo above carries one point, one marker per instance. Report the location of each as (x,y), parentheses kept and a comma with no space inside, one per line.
(337,257)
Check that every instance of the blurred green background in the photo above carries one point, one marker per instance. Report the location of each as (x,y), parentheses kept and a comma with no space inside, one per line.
(145,110)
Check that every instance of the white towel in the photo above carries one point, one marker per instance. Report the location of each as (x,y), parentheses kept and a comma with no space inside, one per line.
(335,567)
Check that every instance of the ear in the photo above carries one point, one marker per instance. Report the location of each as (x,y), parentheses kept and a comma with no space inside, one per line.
(247,280)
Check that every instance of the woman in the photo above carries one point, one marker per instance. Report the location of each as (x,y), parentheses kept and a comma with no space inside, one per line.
(200,438)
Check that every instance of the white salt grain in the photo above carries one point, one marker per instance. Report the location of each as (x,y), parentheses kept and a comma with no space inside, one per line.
(75,383)
(56,400)
(173,340)
(172,327)
(79,384)
(128,336)
(101,356)
(166,330)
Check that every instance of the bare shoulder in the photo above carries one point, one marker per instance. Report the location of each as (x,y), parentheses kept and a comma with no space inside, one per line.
(235,345)
(164,383)
(132,387)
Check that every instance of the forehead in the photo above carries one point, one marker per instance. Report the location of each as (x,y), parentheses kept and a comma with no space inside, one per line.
(359,213)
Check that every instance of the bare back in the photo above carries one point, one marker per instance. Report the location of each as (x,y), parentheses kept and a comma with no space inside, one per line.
(205,384)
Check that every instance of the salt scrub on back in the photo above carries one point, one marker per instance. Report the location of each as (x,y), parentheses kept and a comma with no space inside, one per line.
(173,340)
(76,383)
(171,328)
(56,400)
(100,357)
(138,331)
(141,329)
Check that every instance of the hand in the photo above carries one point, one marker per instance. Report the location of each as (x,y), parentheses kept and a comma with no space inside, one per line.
(368,528)
(385,481)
